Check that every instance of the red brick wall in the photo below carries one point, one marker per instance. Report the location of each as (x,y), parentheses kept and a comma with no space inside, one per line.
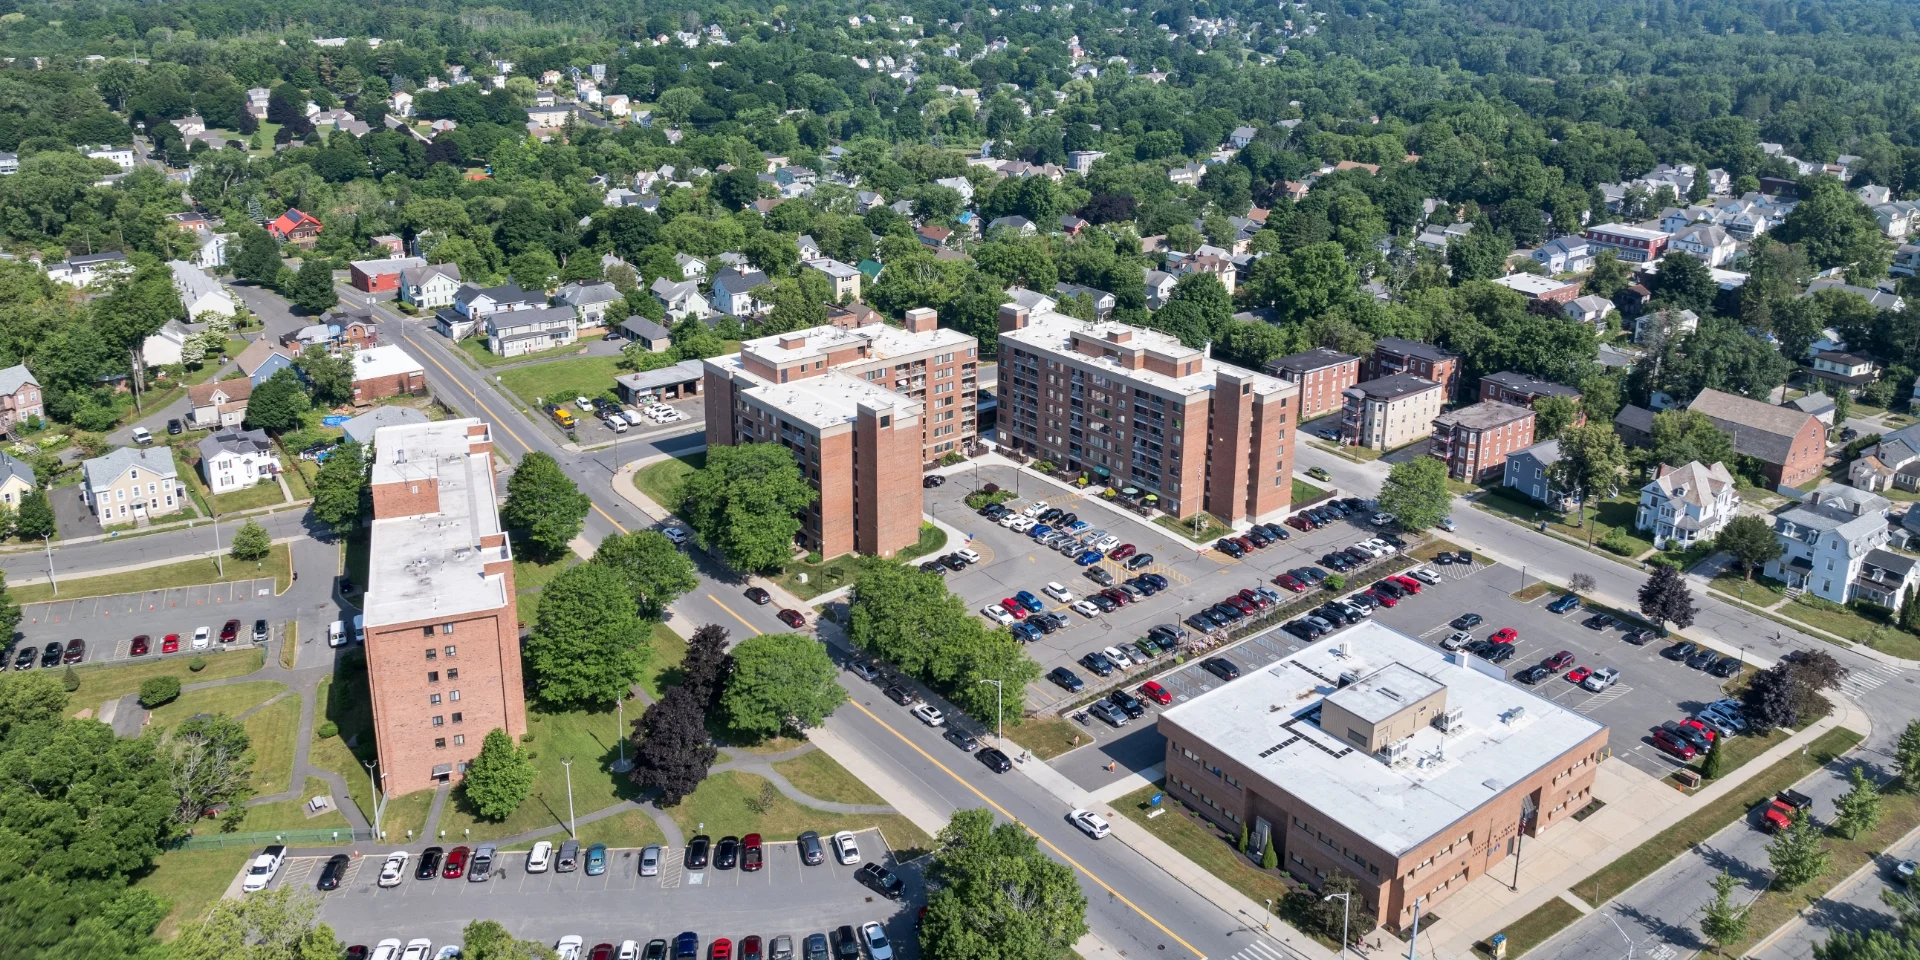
(1229,443)
(718,405)
(836,502)
(374,388)
(886,494)
(487,658)
(1186,480)
(375,283)
(1320,390)
(1270,464)
(1804,457)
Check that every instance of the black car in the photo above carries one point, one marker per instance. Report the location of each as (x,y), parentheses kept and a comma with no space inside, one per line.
(1466,621)
(1390,588)
(1501,653)
(50,657)
(1689,735)
(932,480)
(882,881)
(953,562)
(899,695)
(1598,621)
(25,660)
(1221,667)
(1139,560)
(726,854)
(1481,648)
(1301,629)
(1105,605)
(1533,674)
(995,760)
(845,947)
(1679,651)
(1098,663)
(1068,520)
(334,871)
(174,427)
(1045,624)
(429,866)
(1049,515)
(1703,659)
(1066,679)
(759,595)
(1167,632)
(962,739)
(933,567)
(811,852)
(1727,667)
(697,852)
(1229,548)
(1128,702)
(1318,575)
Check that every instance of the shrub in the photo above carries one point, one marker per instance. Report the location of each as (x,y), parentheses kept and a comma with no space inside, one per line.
(155,691)
(526,737)
(1617,541)
(990,488)
(952,457)
(814,557)
(197,664)
(327,731)
(1044,466)
(70,680)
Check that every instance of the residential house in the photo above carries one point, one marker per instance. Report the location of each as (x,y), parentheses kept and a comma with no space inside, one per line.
(932,236)
(386,372)
(199,293)
(589,302)
(165,347)
(1474,441)
(20,397)
(1540,290)
(1323,376)
(1564,255)
(691,267)
(9,164)
(1530,471)
(1906,261)
(512,333)
(1392,355)
(1686,505)
(379,276)
(1033,301)
(236,459)
(1634,425)
(1894,461)
(1103,302)
(326,335)
(1522,390)
(1241,136)
(1789,444)
(844,277)
(132,485)
(295,227)
(473,304)
(733,292)
(651,336)
(852,316)
(16,481)
(1159,287)
(88,269)
(1018,225)
(1187,175)
(1221,267)
(1837,371)
(358,327)
(220,403)
(430,286)
(1827,541)
(1663,323)
(1879,299)
(680,299)
(1590,309)
(1389,412)
(1705,242)
(262,359)
(1818,404)
(212,251)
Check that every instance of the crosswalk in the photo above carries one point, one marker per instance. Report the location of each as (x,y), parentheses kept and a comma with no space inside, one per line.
(1861,681)
(1261,949)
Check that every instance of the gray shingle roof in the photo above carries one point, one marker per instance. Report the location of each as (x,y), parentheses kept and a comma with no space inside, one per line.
(1411,348)
(15,377)
(1394,387)
(234,441)
(11,467)
(644,329)
(108,467)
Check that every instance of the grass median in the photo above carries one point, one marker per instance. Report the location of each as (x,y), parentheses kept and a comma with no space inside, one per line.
(660,481)
(190,573)
(101,683)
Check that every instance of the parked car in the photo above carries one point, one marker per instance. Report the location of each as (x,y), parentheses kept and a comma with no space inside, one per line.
(1601,679)
(811,851)
(792,618)
(394,869)
(480,868)
(995,760)
(332,873)
(928,714)
(698,850)
(881,881)
(1221,667)
(1680,651)
(1533,674)
(139,647)
(1090,823)
(1564,604)
(759,595)
(429,864)
(456,864)
(845,848)
(962,739)
(1066,679)
(1673,746)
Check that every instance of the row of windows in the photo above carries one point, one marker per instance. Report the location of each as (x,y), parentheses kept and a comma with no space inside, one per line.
(433,699)
(440,743)
(433,676)
(434,654)
(1568,772)
(1203,798)
(440,721)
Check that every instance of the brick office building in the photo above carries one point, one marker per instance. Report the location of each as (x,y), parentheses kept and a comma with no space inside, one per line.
(1411,770)
(1474,441)
(1393,355)
(863,410)
(1790,443)
(1138,408)
(1322,374)
(442,627)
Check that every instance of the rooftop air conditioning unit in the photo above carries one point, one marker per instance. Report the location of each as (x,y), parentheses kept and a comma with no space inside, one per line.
(1349,677)
(1397,752)
(1452,721)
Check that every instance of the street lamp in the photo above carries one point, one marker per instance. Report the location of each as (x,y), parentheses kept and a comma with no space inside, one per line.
(1623,934)
(622,765)
(568,763)
(999,718)
(1346,914)
(47,539)
(379,802)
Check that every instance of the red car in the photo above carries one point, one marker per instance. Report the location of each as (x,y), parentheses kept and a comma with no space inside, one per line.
(601,951)
(456,865)
(1121,552)
(1117,595)
(1578,674)
(1255,599)
(722,949)
(139,646)
(1559,661)
(229,632)
(1504,635)
(170,644)
(1155,692)
(750,948)
(1245,544)
(751,859)
(1014,608)
(1383,598)
(792,618)
(1672,745)
(1412,585)
(1240,603)
(1705,730)
(1298,522)
(1287,580)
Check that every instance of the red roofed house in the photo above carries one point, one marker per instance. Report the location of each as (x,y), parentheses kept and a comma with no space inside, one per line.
(296,228)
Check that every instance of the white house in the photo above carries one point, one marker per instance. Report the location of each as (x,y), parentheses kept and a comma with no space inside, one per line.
(680,299)
(1705,242)
(1827,539)
(86,270)
(691,267)
(122,156)
(212,251)
(164,347)
(430,287)
(845,278)
(1686,504)
(511,333)
(1588,309)
(589,302)
(733,291)
(236,459)
(200,293)
(1564,255)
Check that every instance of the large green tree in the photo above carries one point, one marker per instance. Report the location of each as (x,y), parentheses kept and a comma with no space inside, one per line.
(339,487)
(35,520)
(312,287)
(996,896)
(1837,230)
(490,940)
(588,645)
(746,502)
(1665,598)
(1416,493)
(1591,458)
(499,777)
(781,682)
(1797,853)
(210,763)
(1682,436)
(330,374)
(1750,540)
(277,405)
(281,924)
(544,504)
(655,571)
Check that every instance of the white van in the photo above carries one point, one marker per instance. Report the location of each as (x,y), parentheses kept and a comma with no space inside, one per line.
(337,633)
(359,629)
(540,858)
(142,436)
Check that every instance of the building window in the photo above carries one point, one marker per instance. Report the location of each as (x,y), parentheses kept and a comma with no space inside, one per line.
(426,631)
(433,676)
(433,699)
(460,740)
(455,695)
(447,628)
(437,721)
(432,653)
(453,673)
(450,650)
(456,718)
(439,743)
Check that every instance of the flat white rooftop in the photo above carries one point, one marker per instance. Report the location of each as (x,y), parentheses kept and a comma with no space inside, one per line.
(1530,283)
(1050,331)
(821,402)
(430,565)
(1266,721)
(882,340)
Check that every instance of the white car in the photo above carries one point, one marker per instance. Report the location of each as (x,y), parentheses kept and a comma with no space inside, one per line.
(420,949)
(1119,659)
(1446,523)
(1089,823)
(616,423)
(540,857)
(583,403)
(394,869)
(1369,548)
(1425,576)
(1601,679)
(928,714)
(998,614)
(449,952)
(674,535)
(1084,608)
(1010,519)
(634,419)
(388,949)
(970,556)
(650,861)
(845,849)
(1023,524)
(568,947)
(200,637)
(1385,548)
(876,938)
(1057,592)
(1106,543)
(629,950)
(261,871)
(1382,519)
(1456,640)
(1035,508)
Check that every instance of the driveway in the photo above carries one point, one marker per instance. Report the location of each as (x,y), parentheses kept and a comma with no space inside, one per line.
(70,515)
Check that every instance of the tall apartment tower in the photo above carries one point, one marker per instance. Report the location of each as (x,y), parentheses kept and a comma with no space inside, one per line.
(442,629)
(862,410)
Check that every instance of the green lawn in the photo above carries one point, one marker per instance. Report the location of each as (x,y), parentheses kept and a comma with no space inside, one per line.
(836,572)
(1856,624)
(731,803)
(272,730)
(278,565)
(1046,737)
(192,880)
(232,700)
(99,684)
(591,740)
(263,494)
(1204,844)
(1535,928)
(634,828)
(1209,526)
(1356,454)
(1304,491)
(661,481)
(664,670)
(344,701)
(562,379)
(532,573)
(292,814)
(1761,591)
(476,350)
(819,776)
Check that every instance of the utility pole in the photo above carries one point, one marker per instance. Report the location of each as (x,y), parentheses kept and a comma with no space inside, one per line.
(999,717)
(219,561)
(48,541)
(622,765)
(571,832)
(1413,942)
(378,805)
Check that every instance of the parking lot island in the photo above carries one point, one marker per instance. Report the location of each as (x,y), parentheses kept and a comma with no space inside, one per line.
(442,626)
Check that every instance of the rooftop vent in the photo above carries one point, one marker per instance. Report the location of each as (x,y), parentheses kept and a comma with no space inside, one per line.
(1513,717)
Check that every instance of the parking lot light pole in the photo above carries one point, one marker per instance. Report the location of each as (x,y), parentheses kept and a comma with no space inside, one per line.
(568,763)
(48,540)
(1346,914)
(378,806)
(622,765)
(999,717)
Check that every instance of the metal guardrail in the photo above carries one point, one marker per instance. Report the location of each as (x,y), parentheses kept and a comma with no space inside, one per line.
(320,837)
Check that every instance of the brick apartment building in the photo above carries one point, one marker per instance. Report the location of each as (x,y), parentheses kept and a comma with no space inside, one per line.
(386,372)
(1630,244)
(1540,291)
(1322,374)
(862,409)
(1522,390)
(1790,443)
(1393,355)
(1474,441)
(1139,408)
(1415,774)
(375,276)
(1390,412)
(442,627)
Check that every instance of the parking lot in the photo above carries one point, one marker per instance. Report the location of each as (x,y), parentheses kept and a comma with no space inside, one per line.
(786,897)
(108,624)
(594,432)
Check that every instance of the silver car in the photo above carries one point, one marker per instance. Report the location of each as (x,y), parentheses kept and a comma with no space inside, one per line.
(1601,679)
(480,868)
(650,861)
